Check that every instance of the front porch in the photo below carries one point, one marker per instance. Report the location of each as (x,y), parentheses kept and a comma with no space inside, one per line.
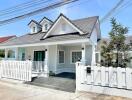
(53,59)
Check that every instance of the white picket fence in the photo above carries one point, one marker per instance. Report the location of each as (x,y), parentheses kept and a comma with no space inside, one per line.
(107,80)
(18,70)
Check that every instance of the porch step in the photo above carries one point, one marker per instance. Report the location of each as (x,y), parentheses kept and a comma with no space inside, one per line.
(58,83)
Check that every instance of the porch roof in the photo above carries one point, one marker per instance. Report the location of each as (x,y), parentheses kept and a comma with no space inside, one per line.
(35,38)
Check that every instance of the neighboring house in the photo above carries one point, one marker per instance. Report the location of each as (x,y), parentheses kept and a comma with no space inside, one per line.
(4,39)
(60,44)
(98,49)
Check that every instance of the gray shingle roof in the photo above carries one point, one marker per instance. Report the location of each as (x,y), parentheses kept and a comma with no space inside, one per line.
(35,38)
(85,24)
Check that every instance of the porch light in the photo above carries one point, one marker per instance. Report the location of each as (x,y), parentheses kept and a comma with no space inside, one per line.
(83,48)
(45,49)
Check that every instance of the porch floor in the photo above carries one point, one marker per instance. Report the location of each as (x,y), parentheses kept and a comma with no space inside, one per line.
(63,81)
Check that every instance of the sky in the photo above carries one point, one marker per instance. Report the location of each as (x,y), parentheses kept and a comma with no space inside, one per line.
(76,10)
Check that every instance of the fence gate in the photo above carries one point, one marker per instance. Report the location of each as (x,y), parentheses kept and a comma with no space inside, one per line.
(18,70)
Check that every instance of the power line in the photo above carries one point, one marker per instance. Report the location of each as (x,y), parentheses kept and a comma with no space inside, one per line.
(52,6)
(111,11)
(21,7)
(126,5)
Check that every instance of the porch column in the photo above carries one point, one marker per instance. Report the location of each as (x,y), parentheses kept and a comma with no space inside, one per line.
(83,60)
(6,53)
(16,53)
(46,67)
(93,56)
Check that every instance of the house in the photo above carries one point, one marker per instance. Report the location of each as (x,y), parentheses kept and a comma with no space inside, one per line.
(107,40)
(59,44)
(4,39)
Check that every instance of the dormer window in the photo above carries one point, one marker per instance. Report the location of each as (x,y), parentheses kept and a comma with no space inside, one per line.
(46,27)
(33,29)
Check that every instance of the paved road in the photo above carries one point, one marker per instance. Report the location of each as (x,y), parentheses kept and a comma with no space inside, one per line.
(26,92)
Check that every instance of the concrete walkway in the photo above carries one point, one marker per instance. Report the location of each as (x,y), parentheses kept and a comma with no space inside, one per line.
(17,91)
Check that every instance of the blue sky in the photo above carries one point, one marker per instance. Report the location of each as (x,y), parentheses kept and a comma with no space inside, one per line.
(80,9)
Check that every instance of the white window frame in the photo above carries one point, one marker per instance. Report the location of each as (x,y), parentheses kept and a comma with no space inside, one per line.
(14,54)
(33,29)
(99,57)
(71,55)
(58,57)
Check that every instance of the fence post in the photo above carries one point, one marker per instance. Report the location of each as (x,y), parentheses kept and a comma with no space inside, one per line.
(78,75)
(0,69)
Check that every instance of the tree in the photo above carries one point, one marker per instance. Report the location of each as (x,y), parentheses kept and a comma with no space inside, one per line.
(116,45)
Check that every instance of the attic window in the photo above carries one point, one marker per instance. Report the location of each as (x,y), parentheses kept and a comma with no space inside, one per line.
(63,26)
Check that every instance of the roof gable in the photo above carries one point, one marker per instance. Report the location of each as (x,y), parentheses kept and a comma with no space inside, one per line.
(45,18)
(33,22)
(67,21)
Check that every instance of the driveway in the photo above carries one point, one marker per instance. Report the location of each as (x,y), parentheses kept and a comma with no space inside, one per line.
(17,91)
(64,81)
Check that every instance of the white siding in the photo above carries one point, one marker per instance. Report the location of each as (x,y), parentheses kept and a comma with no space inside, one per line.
(93,37)
(57,30)
(52,58)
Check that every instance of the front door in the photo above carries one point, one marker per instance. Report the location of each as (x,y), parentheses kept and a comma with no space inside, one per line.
(39,55)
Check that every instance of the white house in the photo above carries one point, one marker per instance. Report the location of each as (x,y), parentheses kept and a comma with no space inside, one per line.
(58,44)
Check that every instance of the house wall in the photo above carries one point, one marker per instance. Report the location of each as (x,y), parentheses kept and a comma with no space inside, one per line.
(52,58)
(68,66)
(93,37)
(30,51)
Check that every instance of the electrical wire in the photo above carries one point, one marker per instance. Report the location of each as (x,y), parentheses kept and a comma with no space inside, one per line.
(52,6)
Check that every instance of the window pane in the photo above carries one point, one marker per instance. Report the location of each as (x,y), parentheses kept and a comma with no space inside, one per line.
(11,54)
(61,56)
(2,53)
(76,56)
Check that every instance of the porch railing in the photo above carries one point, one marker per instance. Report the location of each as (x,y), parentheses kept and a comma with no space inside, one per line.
(38,66)
(22,70)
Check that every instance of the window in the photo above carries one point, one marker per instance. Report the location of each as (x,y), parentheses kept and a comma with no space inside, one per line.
(97,57)
(33,29)
(11,54)
(46,26)
(76,56)
(2,53)
(61,57)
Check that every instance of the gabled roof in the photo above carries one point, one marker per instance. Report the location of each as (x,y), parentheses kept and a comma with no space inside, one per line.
(35,38)
(4,39)
(84,26)
(34,22)
(46,19)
